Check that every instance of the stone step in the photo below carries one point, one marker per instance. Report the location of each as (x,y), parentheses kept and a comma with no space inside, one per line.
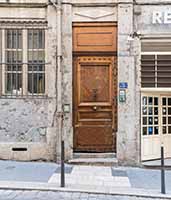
(94,161)
(94,155)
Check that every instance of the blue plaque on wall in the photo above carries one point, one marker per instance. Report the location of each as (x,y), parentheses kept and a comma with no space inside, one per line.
(123,85)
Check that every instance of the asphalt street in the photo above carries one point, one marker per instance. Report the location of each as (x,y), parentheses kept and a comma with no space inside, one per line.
(49,195)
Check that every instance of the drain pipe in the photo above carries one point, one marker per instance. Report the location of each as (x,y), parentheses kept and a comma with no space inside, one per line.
(58,7)
(59,82)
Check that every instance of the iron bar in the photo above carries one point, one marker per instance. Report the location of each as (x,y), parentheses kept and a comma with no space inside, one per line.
(62,164)
(163,187)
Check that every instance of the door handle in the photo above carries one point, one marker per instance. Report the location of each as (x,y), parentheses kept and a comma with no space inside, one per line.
(94,108)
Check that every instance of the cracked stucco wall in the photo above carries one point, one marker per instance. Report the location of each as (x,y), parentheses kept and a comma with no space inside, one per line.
(23,120)
(31,122)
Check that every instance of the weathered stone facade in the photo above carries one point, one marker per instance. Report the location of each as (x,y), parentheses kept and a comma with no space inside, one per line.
(35,123)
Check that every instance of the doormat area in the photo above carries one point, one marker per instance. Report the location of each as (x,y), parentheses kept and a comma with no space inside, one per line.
(116,172)
(68,169)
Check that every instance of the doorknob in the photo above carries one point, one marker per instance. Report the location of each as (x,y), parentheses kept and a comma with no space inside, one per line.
(94,108)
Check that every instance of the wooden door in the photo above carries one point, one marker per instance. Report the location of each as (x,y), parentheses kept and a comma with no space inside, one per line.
(95,110)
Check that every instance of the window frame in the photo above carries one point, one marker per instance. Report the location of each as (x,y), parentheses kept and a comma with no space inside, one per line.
(25,62)
(33,51)
(11,53)
(155,54)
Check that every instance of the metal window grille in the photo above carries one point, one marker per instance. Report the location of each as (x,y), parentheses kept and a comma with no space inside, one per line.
(156,70)
(13,62)
(36,61)
(22,62)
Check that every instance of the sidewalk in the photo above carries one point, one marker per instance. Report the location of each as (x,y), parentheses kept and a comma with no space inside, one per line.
(91,179)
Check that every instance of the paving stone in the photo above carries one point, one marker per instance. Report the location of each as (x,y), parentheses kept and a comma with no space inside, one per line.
(68,169)
(42,195)
(76,195)
(36,195)
(116,172)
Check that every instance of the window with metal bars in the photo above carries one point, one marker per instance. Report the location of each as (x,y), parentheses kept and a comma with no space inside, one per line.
(13,62)
(36,61)
(155,70)
(22,62)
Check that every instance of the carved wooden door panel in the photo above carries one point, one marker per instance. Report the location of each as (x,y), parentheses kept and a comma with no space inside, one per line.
(95,110)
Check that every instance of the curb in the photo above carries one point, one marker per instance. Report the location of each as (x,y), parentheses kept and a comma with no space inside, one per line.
(132,192)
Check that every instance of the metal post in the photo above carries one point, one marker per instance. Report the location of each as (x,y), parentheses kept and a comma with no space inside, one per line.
(62,164)
(163,187)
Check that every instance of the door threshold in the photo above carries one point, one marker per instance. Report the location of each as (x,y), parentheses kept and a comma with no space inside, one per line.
(98,159)
(94,155)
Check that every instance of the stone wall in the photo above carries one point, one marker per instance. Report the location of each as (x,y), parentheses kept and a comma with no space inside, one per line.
(23,120)
(24,1)
(31,122)
(126,136)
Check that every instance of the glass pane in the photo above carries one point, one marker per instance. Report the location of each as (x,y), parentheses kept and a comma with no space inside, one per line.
(36,83)
(150,130)
(36,39)
(150,120)
(156,110)
(14,57)
(169,111)
(164,129)
(14,83)
(156,120)
(156,130)
(41,39)
(144,110)
(150,110)
(164,111)
(163,101)
(169,120)
(144,130)
(144,120)
(150,100)
(36,56)
(14,39)
(30,83)
(156,101)
(169,101)
(164,120)
(12,68)
(144,100)
(169,129)
(40,83)
(36,68)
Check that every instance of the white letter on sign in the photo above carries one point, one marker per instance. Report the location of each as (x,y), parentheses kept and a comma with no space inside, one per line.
(167,17)
(157,17)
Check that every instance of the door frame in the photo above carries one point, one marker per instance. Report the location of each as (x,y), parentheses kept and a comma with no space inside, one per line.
(95,53)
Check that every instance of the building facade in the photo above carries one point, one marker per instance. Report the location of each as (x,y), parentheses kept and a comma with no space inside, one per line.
(92,73)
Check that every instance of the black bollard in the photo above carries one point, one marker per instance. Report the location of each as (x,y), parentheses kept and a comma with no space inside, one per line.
(62,164)
(163,187)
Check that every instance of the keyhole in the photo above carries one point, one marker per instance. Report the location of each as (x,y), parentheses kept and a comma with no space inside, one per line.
(95,94)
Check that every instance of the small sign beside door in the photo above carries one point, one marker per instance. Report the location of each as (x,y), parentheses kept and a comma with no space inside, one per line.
(123,85)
